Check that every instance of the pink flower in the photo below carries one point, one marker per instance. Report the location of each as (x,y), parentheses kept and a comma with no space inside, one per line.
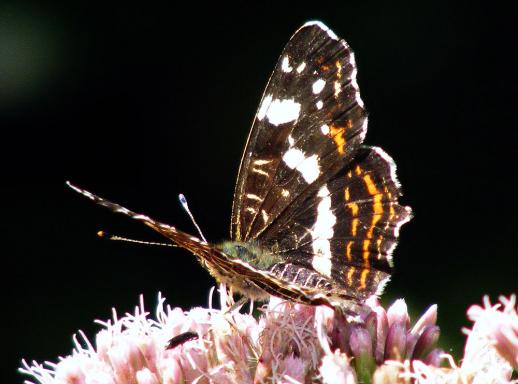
(289,343)
(492,346)
(287,339)
(335,369)
(505,330)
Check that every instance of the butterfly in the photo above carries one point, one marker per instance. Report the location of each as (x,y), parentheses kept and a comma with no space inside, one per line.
(315,217)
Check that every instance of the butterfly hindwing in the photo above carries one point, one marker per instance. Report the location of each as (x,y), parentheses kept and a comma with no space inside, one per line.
(309,120)
(348,229)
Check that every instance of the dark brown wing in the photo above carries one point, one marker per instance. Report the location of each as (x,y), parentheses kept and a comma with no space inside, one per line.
(309,120)
(349,228)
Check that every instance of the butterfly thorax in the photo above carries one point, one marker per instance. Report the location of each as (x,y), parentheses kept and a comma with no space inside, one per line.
(251,253)
(236,277)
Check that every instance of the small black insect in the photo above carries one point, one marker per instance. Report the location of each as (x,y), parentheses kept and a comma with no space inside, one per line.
(181,339)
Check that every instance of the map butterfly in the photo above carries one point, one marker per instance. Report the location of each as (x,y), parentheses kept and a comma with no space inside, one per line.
(315,216)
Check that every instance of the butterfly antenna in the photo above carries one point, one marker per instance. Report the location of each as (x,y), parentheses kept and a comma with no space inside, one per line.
(108,236)
(185,206)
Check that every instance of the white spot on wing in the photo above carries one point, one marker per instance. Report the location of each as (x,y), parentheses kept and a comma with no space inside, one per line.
(260,171)
(325,129)
(286,64)
(404,221)
(265,215)
(324,193)
(392,165)
(122,210)
(309,169)
(282,111)
(293,157)
(322,264)
(318,86)
(364,128)
(251,196)
(141,217)
(301,67)
(262,162)
(285,193)
(352,59)
(307,166)
(264,107)
(338,88)
(320,104)
(321,232)
(323,27)
(354,82)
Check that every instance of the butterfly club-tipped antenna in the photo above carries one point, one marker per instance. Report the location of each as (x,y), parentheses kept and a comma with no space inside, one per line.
(107,236)
(116,208)
(185,206)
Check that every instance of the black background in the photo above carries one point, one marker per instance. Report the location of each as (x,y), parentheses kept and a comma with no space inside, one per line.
(141,103)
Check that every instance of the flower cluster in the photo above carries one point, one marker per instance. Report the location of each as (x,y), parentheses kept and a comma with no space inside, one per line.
(382,336)
(287,343)
(493,340)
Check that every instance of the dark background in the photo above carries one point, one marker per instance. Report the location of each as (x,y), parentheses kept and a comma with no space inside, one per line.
(141,103)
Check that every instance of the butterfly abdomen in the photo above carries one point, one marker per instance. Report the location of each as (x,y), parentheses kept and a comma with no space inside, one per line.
(300,276)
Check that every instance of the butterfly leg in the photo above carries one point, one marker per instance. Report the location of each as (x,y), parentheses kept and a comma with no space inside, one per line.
(236,306)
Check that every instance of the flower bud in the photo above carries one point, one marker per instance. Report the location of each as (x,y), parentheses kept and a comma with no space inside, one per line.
(395,347)
(361,347)
(434,357)
(398,314)
(426,342)
(381,334)
(428,318)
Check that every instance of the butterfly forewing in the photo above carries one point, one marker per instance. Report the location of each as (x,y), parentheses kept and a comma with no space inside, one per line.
(310,120)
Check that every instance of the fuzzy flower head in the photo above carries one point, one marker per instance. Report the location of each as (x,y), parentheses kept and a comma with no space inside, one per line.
(490,351)
(132,349)
(286,343)
(380,335)
(493,341)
